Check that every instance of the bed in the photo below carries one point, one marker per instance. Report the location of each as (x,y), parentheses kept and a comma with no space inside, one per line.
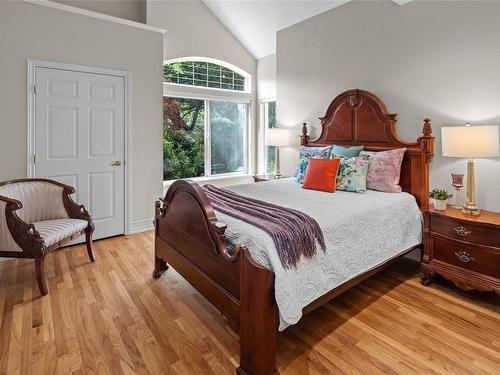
(231,263)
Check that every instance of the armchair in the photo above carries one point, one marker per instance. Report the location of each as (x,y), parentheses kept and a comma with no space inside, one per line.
(38,216)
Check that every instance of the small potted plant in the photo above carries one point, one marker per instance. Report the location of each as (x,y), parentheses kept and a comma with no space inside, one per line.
(440,196)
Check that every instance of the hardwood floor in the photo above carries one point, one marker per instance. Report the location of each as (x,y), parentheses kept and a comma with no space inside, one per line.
(112,317)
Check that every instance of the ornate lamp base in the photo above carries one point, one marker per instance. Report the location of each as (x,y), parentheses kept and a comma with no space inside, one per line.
(277,173)
(471,207)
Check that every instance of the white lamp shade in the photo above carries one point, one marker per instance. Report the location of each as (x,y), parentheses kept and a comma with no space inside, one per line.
(470,141)
(281,137)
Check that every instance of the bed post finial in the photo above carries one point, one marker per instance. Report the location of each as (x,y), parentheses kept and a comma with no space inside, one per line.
(427,127)
(427,141)
(304,137)
(427,154)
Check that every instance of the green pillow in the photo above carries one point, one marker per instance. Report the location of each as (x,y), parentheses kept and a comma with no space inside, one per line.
(346,152)
(352,172)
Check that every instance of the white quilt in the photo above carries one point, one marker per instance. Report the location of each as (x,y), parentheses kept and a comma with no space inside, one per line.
(361,232)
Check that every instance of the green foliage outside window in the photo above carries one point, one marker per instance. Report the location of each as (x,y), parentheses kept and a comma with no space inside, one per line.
(271,124)
(183,138)
(228,125)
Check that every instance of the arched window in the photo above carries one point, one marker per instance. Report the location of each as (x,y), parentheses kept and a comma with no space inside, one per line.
(206,73)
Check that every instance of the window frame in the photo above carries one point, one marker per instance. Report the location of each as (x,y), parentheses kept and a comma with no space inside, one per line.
(262,127)
(207,129)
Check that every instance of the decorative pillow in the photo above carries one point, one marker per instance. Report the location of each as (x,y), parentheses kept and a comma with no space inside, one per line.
(352,173)
(309,152)
(384,170)
(346,152)
(321,174)
(301,170)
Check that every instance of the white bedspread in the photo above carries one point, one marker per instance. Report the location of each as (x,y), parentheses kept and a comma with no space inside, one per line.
(361,232)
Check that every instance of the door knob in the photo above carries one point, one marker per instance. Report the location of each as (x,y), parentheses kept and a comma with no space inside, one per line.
(116,163)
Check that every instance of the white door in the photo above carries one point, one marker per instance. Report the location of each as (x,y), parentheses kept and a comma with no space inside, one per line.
(80,140)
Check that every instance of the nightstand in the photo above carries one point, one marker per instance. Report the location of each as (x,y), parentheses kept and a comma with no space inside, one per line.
(266,177)
(462,248)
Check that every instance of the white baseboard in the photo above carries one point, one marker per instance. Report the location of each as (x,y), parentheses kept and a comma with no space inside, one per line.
(141,226)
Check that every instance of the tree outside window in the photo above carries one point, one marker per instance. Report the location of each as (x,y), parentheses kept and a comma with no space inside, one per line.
(183,138)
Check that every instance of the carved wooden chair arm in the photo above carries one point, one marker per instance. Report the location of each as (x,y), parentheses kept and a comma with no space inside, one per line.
(24,234)
(14,203)
(74,210)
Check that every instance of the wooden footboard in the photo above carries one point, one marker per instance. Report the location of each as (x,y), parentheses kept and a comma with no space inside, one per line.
(190,239)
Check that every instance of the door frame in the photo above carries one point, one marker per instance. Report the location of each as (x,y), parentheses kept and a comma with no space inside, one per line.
(31,165)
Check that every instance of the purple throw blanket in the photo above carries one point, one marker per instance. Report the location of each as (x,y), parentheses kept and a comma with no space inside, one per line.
(294,233)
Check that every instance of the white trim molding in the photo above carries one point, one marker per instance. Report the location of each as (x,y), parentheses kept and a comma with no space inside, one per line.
(194,92)
(31,172)
(402,2)
(101,16)
(141,226)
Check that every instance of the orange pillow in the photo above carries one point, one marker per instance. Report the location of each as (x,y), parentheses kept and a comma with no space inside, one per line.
(321,174)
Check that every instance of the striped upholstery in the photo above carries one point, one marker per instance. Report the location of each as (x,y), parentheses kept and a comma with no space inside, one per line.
(41,200)
(7,243)
(54,231)
(42,206)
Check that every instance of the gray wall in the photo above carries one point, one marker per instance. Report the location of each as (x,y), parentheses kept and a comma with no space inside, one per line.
(134,10)
(38,32)
(439,59)
(266,77)
(193,30)
(266,90)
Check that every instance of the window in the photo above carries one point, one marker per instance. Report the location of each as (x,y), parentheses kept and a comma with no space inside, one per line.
(205,122)
(203,137)
(204,74)
(227,137)
(269,123)
(183,138)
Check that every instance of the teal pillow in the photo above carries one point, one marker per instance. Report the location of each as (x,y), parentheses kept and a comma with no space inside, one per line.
(346,152)
(352,173)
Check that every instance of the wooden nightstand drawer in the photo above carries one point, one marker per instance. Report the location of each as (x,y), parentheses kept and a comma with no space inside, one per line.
(462,248)
(465,231)
(468,256)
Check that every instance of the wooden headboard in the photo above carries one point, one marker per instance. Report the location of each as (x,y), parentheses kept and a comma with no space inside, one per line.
(358,117)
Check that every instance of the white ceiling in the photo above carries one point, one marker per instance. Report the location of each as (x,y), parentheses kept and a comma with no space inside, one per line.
(255,23)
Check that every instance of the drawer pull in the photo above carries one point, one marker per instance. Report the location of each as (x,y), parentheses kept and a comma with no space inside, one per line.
(462,231)
(464,256)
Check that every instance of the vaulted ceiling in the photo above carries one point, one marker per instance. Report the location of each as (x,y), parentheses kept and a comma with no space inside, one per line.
(255,23)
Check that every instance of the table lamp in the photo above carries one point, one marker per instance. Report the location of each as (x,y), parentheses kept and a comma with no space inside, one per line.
(279,137)
(470,142)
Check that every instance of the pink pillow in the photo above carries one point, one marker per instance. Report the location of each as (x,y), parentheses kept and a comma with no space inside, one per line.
(384,170)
